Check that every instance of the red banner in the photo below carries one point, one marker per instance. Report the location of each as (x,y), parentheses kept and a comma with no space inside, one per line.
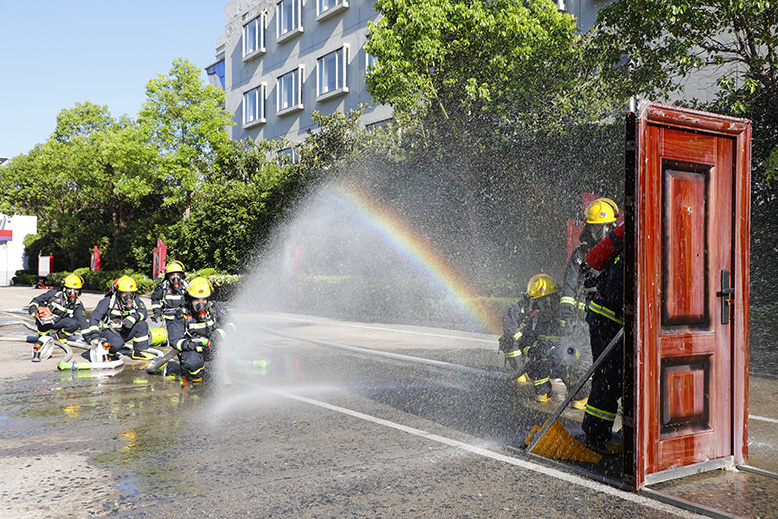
(159,258)
(94,264)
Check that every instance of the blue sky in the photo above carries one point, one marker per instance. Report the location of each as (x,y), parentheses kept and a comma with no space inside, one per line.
(56,53)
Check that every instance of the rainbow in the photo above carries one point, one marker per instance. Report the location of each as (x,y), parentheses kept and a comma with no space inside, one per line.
(417,250)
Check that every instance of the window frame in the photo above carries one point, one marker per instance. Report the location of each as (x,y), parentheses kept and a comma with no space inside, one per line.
(341,69)
(297,20)
(370,61)
(260,21)
(323,14)
(290,152)
(299,75)
(260,106)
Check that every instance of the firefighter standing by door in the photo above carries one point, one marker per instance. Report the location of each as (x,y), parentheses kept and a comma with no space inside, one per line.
(206,323)
(538,338)
(605,315)
(600,216)
(120,319)
(58,314)
(168,301)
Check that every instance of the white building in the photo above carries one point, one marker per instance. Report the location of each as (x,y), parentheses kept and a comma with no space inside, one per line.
(13,229)
(279,60)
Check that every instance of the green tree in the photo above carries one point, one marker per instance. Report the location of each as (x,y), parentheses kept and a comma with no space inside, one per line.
(184,119)
(649,47)
(490,61)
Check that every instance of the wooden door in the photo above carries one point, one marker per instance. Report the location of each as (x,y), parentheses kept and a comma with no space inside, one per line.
(686,293)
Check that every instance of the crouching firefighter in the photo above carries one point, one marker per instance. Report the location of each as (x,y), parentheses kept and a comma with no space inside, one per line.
(538,343)
(120,319)
(59,313)
(206,322)
(513,325)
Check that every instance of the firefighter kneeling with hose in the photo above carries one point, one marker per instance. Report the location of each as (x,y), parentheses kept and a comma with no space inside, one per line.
(206,322)
(58,314)
(537,340)
(120,319)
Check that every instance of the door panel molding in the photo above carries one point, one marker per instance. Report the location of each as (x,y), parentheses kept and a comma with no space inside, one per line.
(686,354)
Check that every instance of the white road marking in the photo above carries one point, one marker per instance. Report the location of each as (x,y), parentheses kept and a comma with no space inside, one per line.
(762,418)
(352,325)
(548,471)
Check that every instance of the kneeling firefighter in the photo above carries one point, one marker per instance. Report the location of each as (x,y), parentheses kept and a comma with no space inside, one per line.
(120,319)
(58,313)
(539,340)
(206,322)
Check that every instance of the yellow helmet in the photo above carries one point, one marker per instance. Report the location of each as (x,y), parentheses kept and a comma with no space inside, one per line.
(174,266)
(601,210)
(541,285)
(73,281)
(200,288)
(126,284)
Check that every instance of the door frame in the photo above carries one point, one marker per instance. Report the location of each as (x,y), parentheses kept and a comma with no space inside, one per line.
(637,373)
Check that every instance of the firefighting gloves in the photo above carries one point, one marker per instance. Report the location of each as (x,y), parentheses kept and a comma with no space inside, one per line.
(198,344)
(130,320)
(201,343)
(157,314)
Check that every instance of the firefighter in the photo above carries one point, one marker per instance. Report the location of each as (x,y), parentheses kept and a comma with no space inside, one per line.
(605,315)
(168,301)
(58,313)
(600,215)
(206,323)
(539,336)
(120,319)
(512,327)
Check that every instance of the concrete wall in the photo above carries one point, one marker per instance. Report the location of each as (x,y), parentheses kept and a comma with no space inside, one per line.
(12,257)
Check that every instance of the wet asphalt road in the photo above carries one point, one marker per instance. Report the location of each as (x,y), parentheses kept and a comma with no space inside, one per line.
(296,429)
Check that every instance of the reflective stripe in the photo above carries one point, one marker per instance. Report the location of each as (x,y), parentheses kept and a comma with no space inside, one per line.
(517,336)
(599,413)
(567,300)
(541,381)
(582,305)
(514,353)
(605,312)
(141,338)
(550,338)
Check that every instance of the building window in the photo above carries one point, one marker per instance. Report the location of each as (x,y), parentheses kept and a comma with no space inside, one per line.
(327,8)
(289,91)
(254,106)
(331,74)
(287,156)
(254,37)
(370,61)
(288,19)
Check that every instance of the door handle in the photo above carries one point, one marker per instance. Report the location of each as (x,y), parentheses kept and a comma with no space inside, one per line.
(727,294)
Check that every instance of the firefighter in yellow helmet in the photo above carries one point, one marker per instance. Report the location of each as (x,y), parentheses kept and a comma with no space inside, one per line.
(58,313)
(120,319)
(600,216)
(168,301)
(206,324)
(537,339)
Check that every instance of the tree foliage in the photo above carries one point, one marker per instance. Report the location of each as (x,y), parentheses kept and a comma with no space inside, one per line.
(184,121)
(490,61)
(650,47)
